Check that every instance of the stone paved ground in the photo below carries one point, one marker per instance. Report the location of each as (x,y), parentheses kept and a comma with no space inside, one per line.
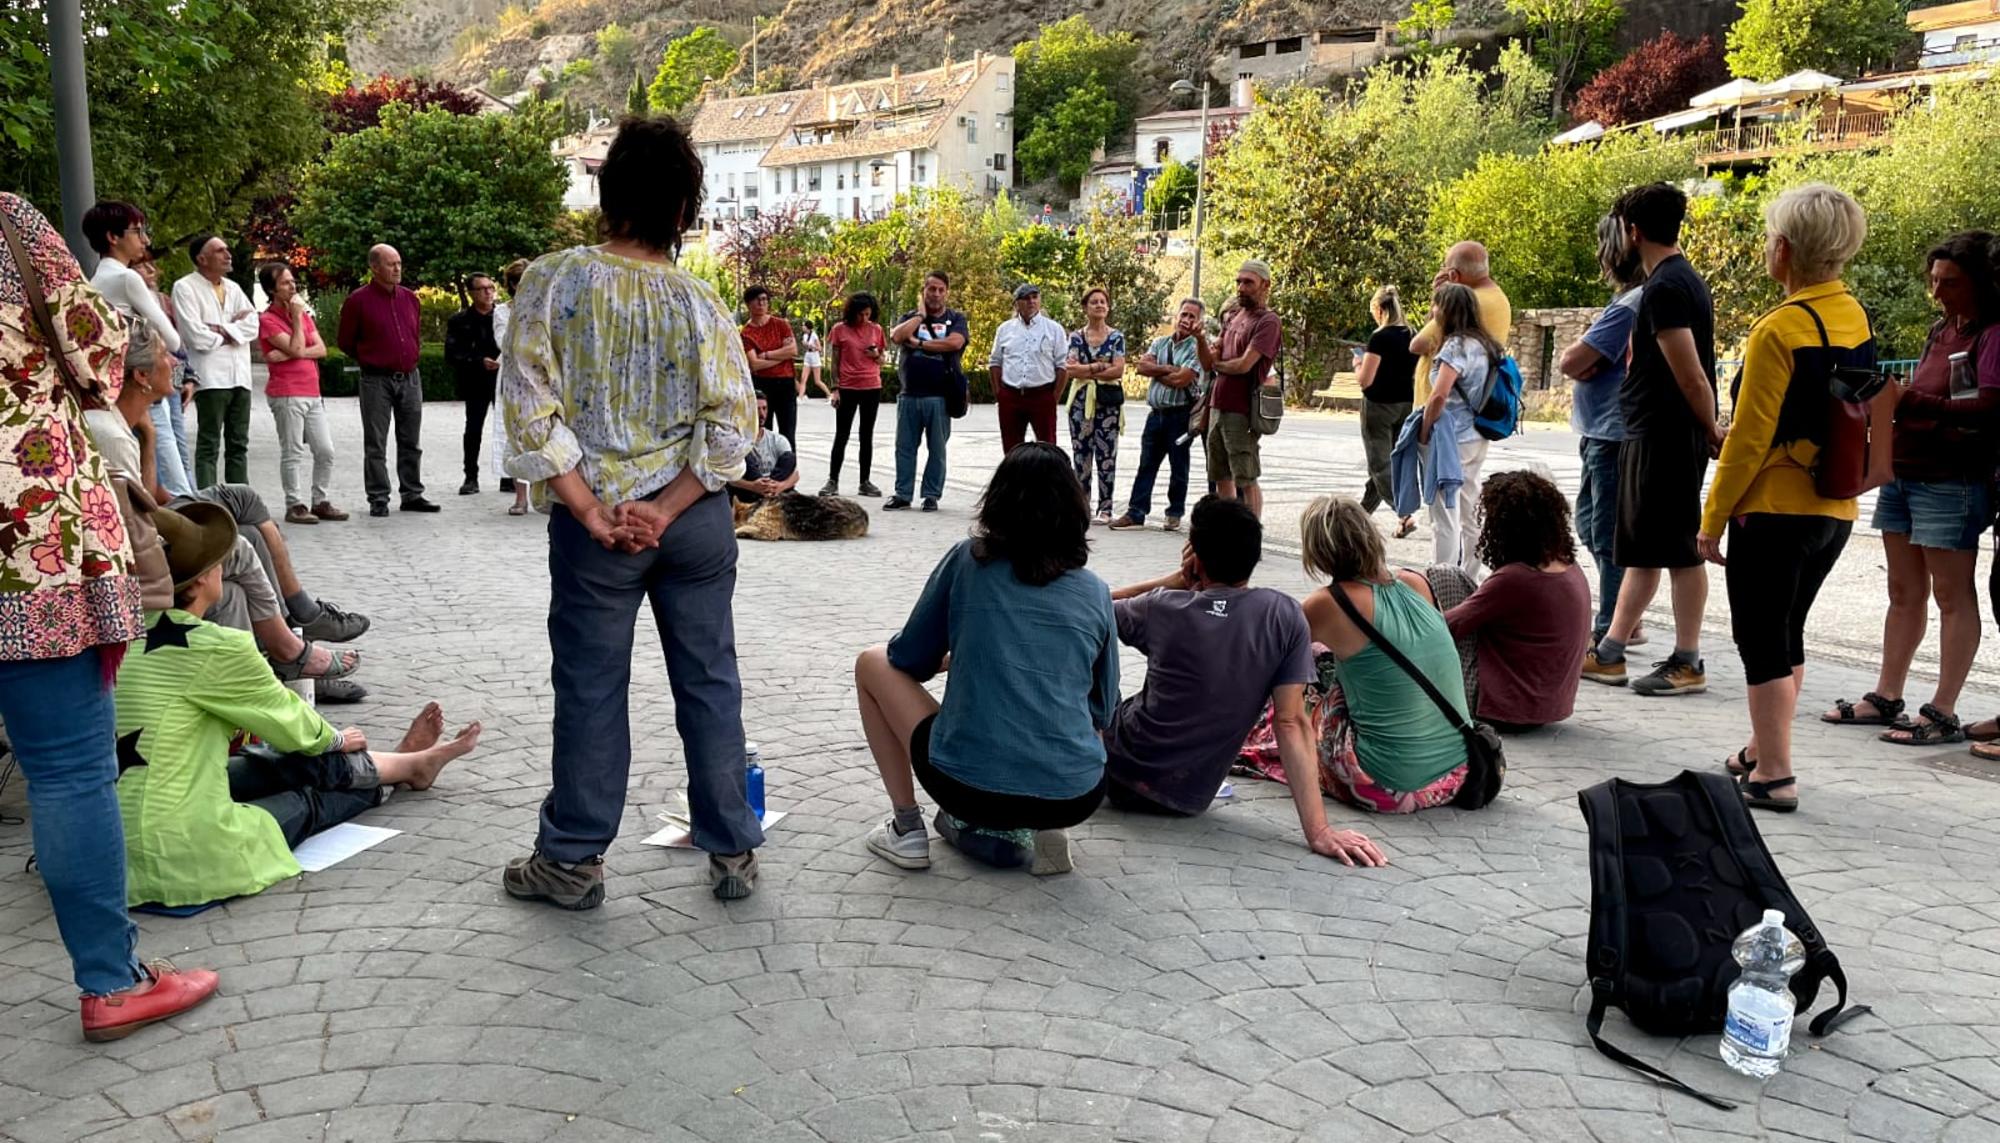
(1205,980)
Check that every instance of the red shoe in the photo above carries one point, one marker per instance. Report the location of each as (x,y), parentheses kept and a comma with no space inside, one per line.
(167,991)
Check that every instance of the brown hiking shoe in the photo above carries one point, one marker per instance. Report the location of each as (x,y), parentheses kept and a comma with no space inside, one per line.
(1672,677)
(568,886)
(300,514)
(326,511)
(733,876)
(1610,674)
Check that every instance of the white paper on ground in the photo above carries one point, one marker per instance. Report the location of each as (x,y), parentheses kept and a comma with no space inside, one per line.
(329,848)
(678,837)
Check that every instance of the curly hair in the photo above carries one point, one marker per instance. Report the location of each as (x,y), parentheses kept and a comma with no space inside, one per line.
(1526,521)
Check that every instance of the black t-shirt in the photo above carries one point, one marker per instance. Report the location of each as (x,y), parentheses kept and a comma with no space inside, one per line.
(927,374)
(1396,374)
(1675,298)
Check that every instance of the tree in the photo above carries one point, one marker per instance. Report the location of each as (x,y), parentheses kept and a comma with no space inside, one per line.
(1072,71)
(1061,143)
(687,64)
(1170,196)
(1319,195)
(1110,254)
(617,48)
(636,102)
(359,108)
(1440,114)
(1777,37)
(1571,38)
(456,194)
(1427,22)
(1657,77)
(778,249)
(1044,255)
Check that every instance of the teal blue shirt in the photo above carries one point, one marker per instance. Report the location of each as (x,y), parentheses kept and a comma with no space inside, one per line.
(1034,675)
(1400,737)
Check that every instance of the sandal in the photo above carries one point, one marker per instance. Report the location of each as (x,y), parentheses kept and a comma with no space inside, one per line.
(517,510)
(340,664)
(1406,527)
(1975,735)
(1740,764)
(1757,795)
(1887,711)
(1936,729)
(1986,751)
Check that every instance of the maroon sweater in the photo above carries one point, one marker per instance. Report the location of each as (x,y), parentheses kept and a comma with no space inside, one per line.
(378,329)
(1532,628)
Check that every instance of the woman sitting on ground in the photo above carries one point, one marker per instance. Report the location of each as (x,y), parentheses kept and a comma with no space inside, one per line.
(1013,757)
(1385,746)
(1529,622)
(200,824)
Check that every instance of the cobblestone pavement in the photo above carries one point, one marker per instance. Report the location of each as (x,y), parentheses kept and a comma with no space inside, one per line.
(1203,980)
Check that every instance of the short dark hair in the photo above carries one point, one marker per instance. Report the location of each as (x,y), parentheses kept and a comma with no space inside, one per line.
(267,276)
(1972,252)
(1034,515)
(1227,537)
(472,280)
(197,242)
(1526,521)
(109,220)
(856,302)
(940,275)
(753,293)
(1657,209)
(650,184)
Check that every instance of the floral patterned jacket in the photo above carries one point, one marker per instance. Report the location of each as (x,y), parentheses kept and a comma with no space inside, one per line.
(65,561)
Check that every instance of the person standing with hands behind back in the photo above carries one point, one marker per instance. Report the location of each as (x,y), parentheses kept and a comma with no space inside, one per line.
(933,338)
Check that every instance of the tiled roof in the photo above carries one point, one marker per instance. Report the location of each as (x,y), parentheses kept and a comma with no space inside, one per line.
(880,116)
(1943,16)
(747,117)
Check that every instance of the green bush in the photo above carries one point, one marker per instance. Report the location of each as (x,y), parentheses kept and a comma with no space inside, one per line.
(341,377)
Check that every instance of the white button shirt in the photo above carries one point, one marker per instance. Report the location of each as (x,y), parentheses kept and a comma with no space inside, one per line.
(1029,354)
(216,363)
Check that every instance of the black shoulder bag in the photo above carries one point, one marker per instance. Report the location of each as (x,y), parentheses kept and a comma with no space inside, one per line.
(1485,756)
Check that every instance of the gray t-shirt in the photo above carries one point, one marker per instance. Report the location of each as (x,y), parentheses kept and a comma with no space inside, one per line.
(1212,659)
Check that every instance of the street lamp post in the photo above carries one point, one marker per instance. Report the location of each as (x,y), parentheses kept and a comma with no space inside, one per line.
(72,108)
(1183,87)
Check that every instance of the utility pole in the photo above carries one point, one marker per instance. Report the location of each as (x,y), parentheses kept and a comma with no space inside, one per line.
(72,107)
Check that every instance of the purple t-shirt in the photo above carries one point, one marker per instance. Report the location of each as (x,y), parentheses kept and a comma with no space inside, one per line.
(1212,660)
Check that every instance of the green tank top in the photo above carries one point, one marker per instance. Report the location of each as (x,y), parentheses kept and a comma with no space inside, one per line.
(1400,737)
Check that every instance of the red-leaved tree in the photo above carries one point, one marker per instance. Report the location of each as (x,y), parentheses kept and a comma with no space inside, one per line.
(1658,77)
(359,108)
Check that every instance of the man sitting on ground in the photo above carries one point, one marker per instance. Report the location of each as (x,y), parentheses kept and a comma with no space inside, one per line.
(1216,649)
(771,468)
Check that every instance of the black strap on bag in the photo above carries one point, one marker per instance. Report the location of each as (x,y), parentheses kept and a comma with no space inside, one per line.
(1486,759)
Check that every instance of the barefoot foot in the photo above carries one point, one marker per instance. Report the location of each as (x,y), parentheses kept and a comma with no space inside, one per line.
(430,761)
(425,730)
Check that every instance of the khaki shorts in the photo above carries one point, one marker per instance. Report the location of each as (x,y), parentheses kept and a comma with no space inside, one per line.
(1232,449)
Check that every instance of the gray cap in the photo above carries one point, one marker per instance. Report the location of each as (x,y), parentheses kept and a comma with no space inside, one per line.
(1027,290)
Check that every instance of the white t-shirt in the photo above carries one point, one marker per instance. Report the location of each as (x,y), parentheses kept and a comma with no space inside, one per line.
(114,441)
(1475,375)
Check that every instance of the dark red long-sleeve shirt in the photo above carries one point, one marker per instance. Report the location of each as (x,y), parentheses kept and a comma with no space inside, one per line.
(378,329)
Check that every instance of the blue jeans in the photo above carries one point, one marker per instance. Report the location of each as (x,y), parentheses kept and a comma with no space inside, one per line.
(166,451)
(1597,523)
(58,713)
(594,598)
(176,413)
(1164,427)
(925,417)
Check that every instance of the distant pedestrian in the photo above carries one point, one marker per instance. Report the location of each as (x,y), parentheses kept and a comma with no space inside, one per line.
(1251,338)
(378,329)
(1173,365)
(1387,374)
(811,356)
(1026,362)
(629,405)
(293,350)
(472,349)
(932,338)
(1596,364)
(1096,399)
(857,345)
(773,351)
(217,324)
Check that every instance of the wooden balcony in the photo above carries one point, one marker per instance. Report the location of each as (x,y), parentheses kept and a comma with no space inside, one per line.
(1754,142)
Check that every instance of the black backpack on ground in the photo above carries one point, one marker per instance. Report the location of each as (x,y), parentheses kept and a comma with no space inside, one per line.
(1677,872)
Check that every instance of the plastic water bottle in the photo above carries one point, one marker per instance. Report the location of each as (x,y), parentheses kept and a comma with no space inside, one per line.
(753,779)
(1758,1029)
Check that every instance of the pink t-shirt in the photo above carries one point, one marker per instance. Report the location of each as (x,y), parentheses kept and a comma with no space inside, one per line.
(857,369)
(293,377)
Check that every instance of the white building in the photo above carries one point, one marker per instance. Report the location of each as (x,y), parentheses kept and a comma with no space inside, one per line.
(731,135)
(1957,34)
(582,155)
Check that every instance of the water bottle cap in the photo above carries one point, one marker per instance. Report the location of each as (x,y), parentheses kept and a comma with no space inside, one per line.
(1774,917)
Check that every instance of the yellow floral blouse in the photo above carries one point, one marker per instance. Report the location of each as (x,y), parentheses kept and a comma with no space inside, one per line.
(626,370)
(65,562)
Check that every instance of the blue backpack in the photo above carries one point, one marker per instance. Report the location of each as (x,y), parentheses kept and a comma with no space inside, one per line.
(1498,415)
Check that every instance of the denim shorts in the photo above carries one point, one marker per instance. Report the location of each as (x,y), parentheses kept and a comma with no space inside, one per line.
(1950,515)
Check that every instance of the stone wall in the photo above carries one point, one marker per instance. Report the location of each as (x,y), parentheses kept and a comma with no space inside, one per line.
(1537,339)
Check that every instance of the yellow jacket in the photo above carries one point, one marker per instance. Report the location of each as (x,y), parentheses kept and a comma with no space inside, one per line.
(1758,472)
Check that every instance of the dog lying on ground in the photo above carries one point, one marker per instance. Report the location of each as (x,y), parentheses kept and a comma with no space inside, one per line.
(790,516)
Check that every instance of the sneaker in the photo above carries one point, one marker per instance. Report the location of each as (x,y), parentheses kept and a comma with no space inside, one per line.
(910,850)
(1597,671)
(980,845)
(1051,852)
(338,692)
(1673,677)
(1173,524)
(930,503)
(896,504)
(300,514)
(469,488)
(326,511)
(870,490)
(733,877)
(332,625)
(830,488)
(1124,522)
(166,991)
(536,878)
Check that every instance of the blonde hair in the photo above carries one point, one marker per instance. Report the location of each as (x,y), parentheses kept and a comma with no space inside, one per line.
(1389,303)
(1824,226)
(1339,542)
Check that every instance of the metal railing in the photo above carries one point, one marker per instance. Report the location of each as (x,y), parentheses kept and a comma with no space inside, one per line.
(1832,130)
